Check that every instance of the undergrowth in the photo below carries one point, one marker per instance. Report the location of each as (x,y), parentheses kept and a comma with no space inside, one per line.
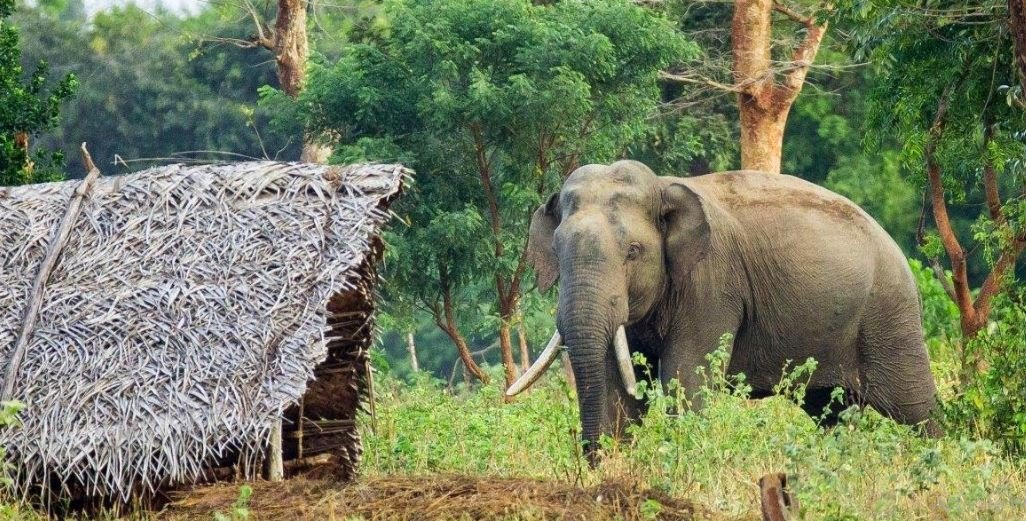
(868,467)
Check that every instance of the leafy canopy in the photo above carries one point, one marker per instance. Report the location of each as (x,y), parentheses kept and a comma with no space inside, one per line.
(25,110)
(491,103)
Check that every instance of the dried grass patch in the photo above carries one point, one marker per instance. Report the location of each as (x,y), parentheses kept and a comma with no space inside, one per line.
(437,497)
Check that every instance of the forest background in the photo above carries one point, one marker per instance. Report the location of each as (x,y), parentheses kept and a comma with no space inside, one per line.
(493,103)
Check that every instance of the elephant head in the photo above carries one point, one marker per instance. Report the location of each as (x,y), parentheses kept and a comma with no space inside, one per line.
(619,239)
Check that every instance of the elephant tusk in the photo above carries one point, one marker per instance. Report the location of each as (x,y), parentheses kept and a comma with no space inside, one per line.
(623,359)
(533,373)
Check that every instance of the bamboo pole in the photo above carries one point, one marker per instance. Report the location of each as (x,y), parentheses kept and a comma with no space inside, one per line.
(275,467)
(35,301)
(411,346)
(370,397)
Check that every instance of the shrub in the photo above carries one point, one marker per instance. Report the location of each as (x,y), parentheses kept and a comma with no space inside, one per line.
(868,467)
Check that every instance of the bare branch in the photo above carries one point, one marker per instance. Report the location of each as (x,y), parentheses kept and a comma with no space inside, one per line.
(957,256)
(792,14)
(705,82)
(265,36)
(804,55)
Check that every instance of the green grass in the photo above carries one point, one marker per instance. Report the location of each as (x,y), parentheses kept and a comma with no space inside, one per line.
(866,468)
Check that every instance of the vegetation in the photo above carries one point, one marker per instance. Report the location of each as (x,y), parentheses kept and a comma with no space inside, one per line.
(493,103)
(26,109)
(866,468)
(914,109)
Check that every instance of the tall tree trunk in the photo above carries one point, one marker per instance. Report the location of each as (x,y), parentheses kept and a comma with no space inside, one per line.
(1017,26)
(509,366)
(974,311)
(291,50)
(525,355)
(763,103)
(411,346)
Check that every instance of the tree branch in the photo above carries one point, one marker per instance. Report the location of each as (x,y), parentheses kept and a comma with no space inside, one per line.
(261,39)
(792,14)
(938,270)
(992,284)
(802,60)
(990,184)
(956,254)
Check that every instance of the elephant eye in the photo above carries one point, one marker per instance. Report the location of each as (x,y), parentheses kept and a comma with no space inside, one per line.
(633,251)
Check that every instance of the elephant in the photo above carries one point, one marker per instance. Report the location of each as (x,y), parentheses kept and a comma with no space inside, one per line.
(666,266)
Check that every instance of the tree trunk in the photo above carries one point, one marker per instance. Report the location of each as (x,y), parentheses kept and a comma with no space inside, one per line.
(291,51)
(762,135)
(446,321)
(291,48)
(763,103)
(1017,26)
(464,351)
(509,366)
(525,355)
(412,348)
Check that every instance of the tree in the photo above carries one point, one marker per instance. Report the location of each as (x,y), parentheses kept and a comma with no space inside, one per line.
(962,137)
(148,95)
(26,109)
(763,102)
(492,103)
(288,41)
(765,87)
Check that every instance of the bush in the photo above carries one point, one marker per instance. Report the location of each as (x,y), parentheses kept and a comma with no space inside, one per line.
(868,467)
(992,403)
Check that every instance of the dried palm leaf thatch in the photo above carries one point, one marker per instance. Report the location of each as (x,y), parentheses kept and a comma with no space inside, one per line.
(186,311)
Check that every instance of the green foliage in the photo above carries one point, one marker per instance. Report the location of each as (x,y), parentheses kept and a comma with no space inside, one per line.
(153,85)
(28,108)
(11,508)
(240,510)
(868,467)
(993,404)
(911,45)
(491,103)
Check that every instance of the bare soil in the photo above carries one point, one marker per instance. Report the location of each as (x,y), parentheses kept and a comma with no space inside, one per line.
(434,497)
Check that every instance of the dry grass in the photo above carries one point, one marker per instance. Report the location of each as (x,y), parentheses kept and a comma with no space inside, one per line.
(437,497)
(187,310)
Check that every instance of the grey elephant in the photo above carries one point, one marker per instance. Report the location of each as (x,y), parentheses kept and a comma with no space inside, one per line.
(665,266)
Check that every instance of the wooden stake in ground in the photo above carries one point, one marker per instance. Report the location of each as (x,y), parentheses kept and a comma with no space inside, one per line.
(775,499)
(275,464)
(763,103)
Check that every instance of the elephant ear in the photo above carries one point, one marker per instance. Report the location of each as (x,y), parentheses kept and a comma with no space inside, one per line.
(686,230)
(539,243)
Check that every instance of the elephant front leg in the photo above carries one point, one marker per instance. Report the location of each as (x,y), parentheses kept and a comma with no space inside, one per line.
(687,349)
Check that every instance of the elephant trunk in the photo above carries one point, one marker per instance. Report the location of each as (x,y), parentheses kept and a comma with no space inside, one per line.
(588,320)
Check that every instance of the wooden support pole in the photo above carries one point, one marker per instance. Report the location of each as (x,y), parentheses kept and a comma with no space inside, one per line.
(411,346)
(370,397)
(275,466)
(53,252)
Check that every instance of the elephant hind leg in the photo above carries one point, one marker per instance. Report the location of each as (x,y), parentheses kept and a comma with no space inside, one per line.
(820,404)
(894,369)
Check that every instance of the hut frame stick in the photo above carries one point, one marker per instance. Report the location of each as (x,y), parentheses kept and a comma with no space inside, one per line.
(53,252)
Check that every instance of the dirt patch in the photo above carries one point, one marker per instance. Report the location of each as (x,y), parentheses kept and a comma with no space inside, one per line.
(435,497)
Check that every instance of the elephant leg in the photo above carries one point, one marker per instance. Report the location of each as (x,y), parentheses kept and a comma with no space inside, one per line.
(894,367)
(687,348)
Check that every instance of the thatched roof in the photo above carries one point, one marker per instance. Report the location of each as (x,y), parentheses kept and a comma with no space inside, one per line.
(185,312)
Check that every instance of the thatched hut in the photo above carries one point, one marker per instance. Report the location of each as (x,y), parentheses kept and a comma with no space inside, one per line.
(157,325)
